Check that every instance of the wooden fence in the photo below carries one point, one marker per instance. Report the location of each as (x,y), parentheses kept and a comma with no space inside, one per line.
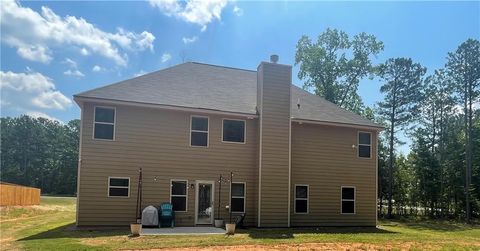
(17,195)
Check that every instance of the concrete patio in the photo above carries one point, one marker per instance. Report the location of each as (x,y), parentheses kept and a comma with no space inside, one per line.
(182,231)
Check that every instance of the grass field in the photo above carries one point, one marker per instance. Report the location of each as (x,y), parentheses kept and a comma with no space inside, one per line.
(50,227)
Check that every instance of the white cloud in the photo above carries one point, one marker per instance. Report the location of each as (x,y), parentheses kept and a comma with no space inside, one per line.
(166,57)
(140,73)
(50,100)
(70,62)
(37,114)
(30,91)
(35,53)
(97,68)
(200,12)
(145,41)
(34,33)
(237,11)
(74,73)
(168,7)
(133,41)
(189,40)
(84,52)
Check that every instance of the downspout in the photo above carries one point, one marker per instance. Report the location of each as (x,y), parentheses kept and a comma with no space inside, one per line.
(289,167)
(79,164)
(376,181)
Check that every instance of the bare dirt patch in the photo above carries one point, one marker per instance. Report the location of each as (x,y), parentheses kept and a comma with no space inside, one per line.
(318,246)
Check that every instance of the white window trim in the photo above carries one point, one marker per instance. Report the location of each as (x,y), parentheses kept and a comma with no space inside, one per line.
(307,199)
(186,194)
(208,131)
(354,199)
(358,145)
(244,132)
(108,187)
(238,197)
(105,123)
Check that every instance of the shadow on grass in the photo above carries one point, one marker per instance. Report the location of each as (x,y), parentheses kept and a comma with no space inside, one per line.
(437,225)
(288,233)
(70,231)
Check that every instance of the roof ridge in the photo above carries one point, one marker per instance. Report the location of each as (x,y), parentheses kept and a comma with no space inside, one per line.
(167,68)
(222,66)
(333,104)
(124,80)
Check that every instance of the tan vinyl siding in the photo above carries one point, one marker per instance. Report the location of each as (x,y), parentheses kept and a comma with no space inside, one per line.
(323,158)
(274,83)
(158,141)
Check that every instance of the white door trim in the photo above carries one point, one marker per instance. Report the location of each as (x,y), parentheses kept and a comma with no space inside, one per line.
(197,182)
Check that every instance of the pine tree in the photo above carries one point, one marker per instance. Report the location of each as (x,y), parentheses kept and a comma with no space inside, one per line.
(463,66)
(402,87)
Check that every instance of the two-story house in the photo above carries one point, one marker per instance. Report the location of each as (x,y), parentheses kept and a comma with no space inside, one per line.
(297,159)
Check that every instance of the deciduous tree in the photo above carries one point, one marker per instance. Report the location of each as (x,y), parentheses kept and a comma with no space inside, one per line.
(40,152)
(334,65)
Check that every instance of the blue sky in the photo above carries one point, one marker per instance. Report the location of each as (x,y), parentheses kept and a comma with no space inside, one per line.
(52,50)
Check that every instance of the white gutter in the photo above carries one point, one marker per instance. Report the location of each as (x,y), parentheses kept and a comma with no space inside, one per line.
(306,121)
(81,100)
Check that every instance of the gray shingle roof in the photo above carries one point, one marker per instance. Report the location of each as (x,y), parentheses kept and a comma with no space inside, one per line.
(197,85)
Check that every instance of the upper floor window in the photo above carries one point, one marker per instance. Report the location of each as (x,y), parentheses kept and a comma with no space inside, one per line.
(301,199)
(118,187)
(348,200)
(364,144)
(237,197)
(199,131)
(233,131)
(104,123)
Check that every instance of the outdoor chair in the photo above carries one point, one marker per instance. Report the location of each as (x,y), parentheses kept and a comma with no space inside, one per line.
(166,215)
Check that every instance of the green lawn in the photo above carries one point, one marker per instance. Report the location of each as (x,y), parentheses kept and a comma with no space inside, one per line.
(50,227)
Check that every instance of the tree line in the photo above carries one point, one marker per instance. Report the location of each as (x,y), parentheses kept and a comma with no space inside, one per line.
(439,112)
(41,153)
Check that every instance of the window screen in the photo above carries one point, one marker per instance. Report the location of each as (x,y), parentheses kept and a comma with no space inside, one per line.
(364,144)
(104,125)
(178,196)
(234,131)
(301,199)
(118,187)
(348,200)
(199,131)
(237,200)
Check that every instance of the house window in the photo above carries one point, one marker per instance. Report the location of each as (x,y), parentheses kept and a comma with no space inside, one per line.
(348,200)
(178,195)
(364,144)
(199,131)
(233,131)
(301,199)
(237,199)
(104,123)
(118,187)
